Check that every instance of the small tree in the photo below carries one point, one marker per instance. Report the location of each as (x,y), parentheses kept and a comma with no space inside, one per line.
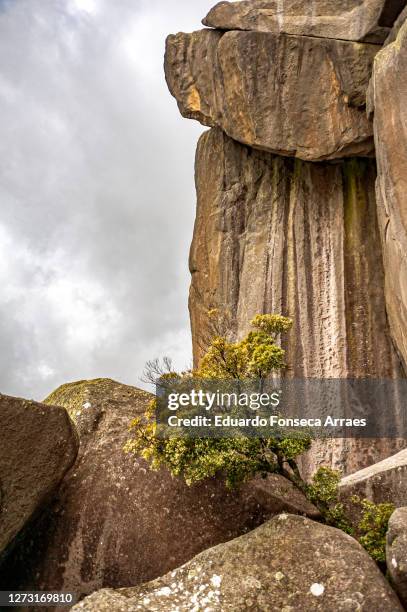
(240,458)
(255,357)
(237,459)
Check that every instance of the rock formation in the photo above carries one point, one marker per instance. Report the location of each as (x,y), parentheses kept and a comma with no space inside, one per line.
(279,227)
(357,20)
(117,523)
(288,564)
(385,481)
(292,218)
(280,235)
(256,87)
(396,552)
(397,25)
(390,125)
(38,445)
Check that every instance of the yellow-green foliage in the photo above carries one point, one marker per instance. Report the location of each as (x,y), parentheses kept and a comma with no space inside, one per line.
(273,325)
(373,527)
(237,458)
(240,458)
(325,485)
(324,493)
(256,356)
(194,459)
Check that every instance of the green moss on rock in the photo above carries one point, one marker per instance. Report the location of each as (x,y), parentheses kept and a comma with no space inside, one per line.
(76,396)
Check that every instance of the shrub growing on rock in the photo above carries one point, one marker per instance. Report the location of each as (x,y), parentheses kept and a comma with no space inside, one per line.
(373,527)
(256,357)
(240,458)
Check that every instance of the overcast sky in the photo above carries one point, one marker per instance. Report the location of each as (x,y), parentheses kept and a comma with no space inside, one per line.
(96,191)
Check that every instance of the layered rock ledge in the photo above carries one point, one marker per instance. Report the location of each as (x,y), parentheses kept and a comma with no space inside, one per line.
(291,95)
(356,20)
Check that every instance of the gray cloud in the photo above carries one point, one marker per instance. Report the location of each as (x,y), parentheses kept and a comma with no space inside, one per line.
(96,191)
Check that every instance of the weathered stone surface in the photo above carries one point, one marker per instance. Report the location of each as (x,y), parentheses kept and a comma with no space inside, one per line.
(288,564)
(396,552)
(38,445)
(275,495)
(117,523)
(357,20)
(285,236)
(295,96)
(278,235)
(385,481)
(390,124)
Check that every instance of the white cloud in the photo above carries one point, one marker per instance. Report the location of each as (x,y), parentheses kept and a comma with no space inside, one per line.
(96,191)
(89,6)
(45,372)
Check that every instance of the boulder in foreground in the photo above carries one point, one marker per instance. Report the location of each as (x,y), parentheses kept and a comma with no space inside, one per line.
(38,445)
(287,564)
(117,523)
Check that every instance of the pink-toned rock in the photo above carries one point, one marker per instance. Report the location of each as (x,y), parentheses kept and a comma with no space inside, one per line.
(284,236)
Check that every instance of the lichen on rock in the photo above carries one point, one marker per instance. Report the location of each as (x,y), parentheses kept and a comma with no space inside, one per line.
(289,563)
(117,523)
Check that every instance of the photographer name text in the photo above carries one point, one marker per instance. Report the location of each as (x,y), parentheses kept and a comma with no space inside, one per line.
(257,421)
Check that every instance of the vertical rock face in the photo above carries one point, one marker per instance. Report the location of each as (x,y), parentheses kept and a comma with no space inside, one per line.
(301,239)
(287,212)
(390,121)
(281,235)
